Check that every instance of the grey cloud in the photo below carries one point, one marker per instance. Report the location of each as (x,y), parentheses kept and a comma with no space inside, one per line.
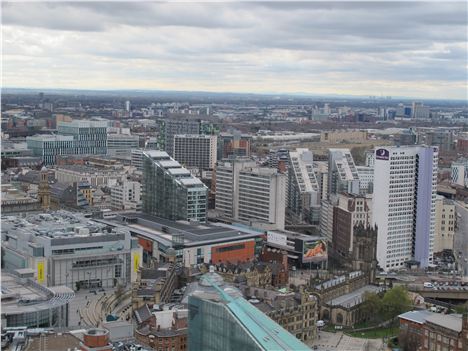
(236,43)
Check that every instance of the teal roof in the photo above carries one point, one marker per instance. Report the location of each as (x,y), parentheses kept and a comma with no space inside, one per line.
(268,334)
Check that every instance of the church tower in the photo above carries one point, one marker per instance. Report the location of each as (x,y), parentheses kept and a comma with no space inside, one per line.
(44,189)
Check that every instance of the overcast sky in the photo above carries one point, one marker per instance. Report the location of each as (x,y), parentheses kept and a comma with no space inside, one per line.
(411,49)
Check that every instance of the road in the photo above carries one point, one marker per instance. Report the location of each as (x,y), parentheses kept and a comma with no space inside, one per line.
(461,238)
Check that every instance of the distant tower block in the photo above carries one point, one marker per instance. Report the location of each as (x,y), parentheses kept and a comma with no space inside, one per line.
(44,189)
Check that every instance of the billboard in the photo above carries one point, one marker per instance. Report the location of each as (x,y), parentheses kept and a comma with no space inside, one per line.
(136,261)
(40,272)
(382,154)
(314,251)
(277,238)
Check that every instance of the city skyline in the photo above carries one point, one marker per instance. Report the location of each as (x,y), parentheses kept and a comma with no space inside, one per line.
(370,48)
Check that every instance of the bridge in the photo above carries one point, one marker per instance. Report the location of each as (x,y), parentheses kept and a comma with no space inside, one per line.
(457,294)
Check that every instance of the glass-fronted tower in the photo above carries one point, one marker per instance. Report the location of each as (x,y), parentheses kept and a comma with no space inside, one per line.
(170,191)
(221,319)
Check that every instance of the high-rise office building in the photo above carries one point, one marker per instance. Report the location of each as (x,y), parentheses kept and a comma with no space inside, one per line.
(48,147)
(235,144)
(405,180)
(196,150)
(420,111)
(78,137)
(459,172)
(342,173)
(169,128)
(303,199)
(351,211)
(250,194)
(221,319)
(366,179)
(170,191)
(122,144)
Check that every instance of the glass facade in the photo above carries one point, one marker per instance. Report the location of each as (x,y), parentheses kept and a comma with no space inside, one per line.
(212,327)
(75,138)
(170,191)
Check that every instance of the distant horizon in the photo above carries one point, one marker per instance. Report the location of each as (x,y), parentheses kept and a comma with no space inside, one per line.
(260,94)
(411,49)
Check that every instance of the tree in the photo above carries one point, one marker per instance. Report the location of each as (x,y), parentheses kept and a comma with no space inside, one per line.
(371,306)
(395,301)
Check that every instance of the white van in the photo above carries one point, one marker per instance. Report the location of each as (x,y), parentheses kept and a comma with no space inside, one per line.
(428,285)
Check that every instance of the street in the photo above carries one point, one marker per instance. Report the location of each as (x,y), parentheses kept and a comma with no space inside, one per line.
(460,245)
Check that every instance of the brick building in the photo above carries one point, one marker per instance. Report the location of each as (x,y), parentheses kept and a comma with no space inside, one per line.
(427,331)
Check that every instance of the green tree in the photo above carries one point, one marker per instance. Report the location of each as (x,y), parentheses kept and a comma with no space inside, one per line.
(395,301)
(371,306)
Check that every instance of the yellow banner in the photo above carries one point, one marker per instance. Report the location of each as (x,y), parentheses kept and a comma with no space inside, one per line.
(40,272)
(136,261)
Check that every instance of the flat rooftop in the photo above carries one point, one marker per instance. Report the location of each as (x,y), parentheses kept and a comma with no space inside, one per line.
(448,321)
(194,234)
(19,297)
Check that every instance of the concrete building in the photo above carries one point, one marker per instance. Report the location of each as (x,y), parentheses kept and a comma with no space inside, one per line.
(321,174)
(193,242)
(303,195)
(17,201)
(169,128)
(126,195)
(121,144)
(221,319)
(366,179)
(420,111)
(445,218)
(250,194)
(342,173)
(25,303)
(459,172)
(233,145)
(94,176)
(196,150)
(65,248)
(170,191)
(404,210)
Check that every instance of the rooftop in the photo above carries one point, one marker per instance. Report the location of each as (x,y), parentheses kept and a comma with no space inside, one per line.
(194,233)
(27,296)
(448,321)
(267,333)
(354,298)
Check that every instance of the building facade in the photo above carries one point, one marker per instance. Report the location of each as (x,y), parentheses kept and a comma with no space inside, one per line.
(303,196)
(404,210)
(78,137)
(250,194)
(169,128)
(445,220)
(221,319)
(126,195)
(196,150)
(342,173)
(64,248)
(351,211)
(170,191)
